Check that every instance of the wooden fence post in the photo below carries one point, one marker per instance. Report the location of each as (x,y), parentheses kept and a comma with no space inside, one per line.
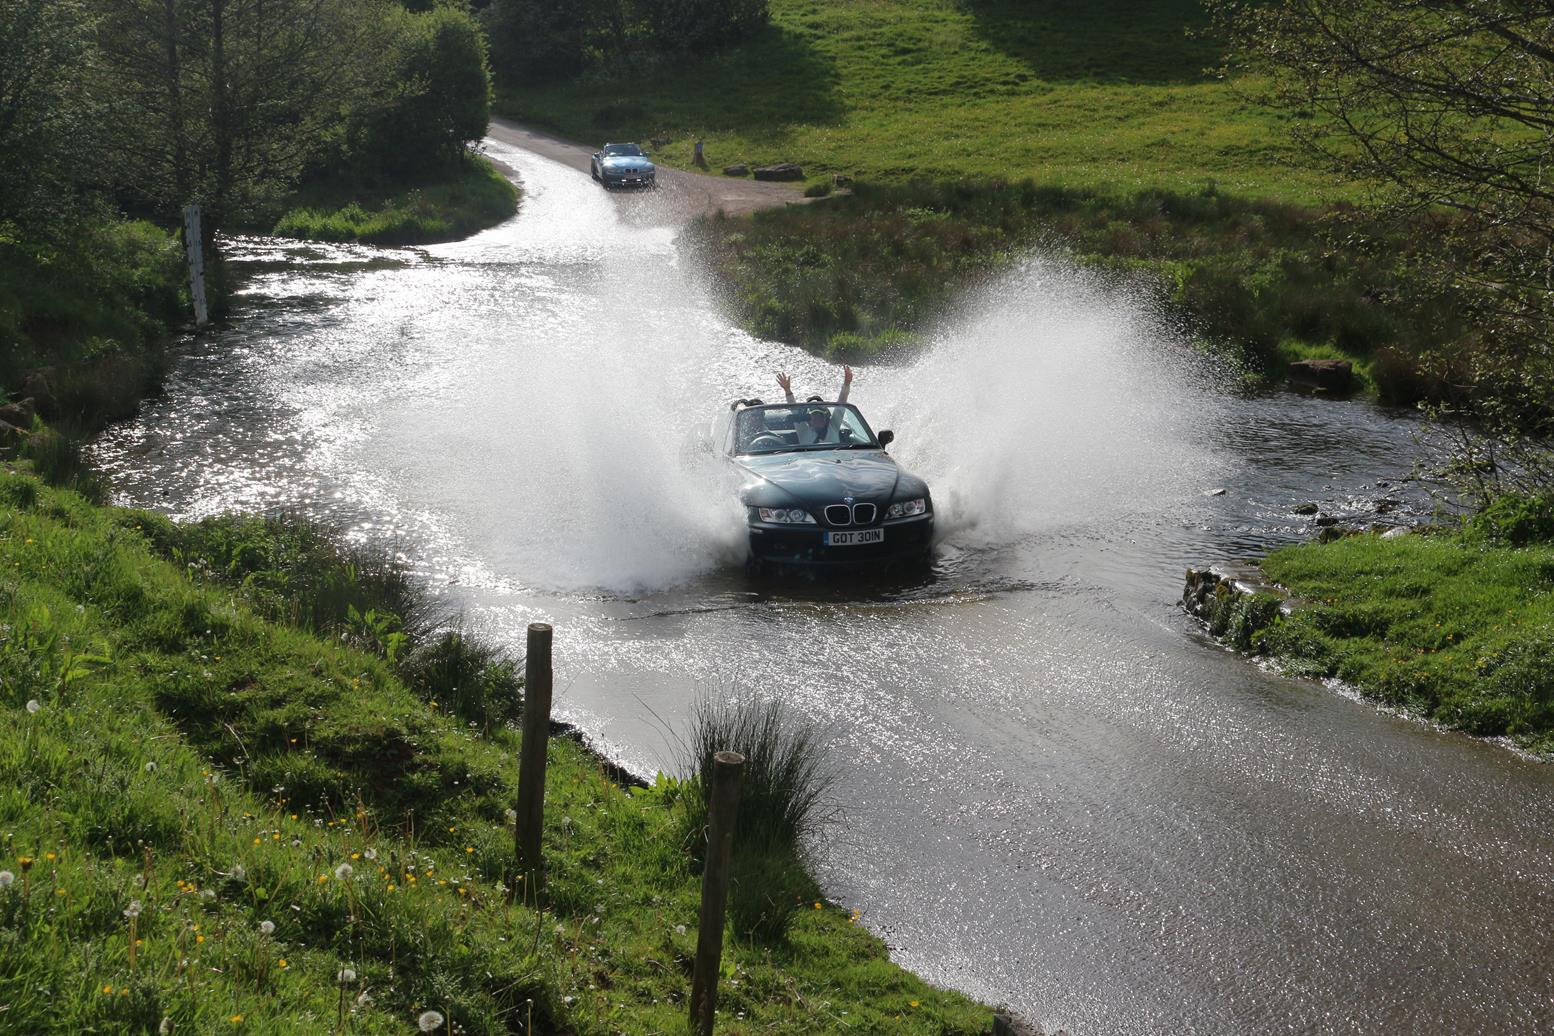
(728,770)
(531,762)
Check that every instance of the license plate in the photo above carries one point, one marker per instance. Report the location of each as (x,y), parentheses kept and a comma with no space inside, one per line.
(853,539)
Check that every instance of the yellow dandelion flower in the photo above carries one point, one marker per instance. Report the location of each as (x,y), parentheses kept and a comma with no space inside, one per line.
(107,989)
(281,963)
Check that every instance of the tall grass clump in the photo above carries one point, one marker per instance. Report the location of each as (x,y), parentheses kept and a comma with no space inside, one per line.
(783,805)
(56,458)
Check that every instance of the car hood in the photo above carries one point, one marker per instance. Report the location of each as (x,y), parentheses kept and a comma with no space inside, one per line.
(625,163)
(820,477)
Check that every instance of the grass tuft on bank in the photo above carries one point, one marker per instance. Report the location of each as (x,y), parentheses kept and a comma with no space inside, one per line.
(214,815)
(1457,626)
(473,196)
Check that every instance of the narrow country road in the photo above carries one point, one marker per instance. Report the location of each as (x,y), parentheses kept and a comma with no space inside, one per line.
(683,194)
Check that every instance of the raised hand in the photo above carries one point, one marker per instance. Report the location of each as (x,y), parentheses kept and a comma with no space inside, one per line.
(783,382)
(847,375)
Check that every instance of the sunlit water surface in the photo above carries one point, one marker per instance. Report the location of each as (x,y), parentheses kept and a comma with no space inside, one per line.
(1056,793)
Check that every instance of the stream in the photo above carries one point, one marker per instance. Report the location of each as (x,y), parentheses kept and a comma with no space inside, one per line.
(1055,791)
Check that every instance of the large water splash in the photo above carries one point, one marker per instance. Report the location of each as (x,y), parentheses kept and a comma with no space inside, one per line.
(1055,397)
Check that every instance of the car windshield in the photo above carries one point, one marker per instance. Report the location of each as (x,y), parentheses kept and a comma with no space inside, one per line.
(627,150)
(811,426)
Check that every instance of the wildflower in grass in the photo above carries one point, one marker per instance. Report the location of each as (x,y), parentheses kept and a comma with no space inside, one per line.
(371,854)
(236,1019)
(344,871)
(6,877)
(912,1003)
(107,990)
(133,910)
(150,766)
(281,963)
(430,1021)
(345,976)
(33,706)
(266,927)
(166,1028)
(239,872)
(51,857)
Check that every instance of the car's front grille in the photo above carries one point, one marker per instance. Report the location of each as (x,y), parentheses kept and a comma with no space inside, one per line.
(857,514)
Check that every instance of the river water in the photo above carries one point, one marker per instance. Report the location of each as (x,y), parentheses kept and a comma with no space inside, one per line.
(1055,792)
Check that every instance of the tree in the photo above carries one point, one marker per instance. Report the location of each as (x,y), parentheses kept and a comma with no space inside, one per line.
(45,123)
(223,102)
(430,99)
(1443,105)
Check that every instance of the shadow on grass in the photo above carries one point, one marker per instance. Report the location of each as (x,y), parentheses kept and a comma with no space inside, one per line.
(773,81)
(1104,41)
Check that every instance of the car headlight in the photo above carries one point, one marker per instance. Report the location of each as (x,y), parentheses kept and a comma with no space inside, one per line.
(785,515)
(906,508)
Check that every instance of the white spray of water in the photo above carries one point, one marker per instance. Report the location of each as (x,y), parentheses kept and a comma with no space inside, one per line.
(1056,398)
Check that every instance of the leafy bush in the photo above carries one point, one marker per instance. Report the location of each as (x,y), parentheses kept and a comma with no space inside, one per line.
(1515,520)
(434,97)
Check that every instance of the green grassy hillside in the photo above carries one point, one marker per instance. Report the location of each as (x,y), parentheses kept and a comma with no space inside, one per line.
(1109,94)
(213,820)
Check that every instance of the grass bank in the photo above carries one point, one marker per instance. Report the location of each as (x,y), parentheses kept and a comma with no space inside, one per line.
(1264,282)
(1457,625)
(1112,94)
(470,197)
(232,799)
(84,314)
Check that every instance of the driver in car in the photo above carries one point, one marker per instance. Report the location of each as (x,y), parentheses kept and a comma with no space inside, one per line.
(818,427)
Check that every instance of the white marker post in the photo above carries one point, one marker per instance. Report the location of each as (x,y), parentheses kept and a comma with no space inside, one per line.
(196,253)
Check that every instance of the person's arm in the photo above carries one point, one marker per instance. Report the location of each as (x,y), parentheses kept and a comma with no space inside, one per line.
(847,383)
(786,385)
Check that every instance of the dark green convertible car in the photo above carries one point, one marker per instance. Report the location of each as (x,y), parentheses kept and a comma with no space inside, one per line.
(820,490)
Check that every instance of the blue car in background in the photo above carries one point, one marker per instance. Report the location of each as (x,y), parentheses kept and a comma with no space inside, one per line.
(623,165)
(819,490)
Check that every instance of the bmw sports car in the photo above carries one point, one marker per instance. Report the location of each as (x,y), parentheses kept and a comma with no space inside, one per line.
(623,165)
(819,489)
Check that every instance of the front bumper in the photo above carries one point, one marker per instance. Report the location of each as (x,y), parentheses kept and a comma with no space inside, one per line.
(630,180)
(906,540)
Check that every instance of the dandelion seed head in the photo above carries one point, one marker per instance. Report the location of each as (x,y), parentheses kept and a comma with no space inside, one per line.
(344,871)
(430,1021)
(33,706)
(150,767)
(133,910)
(266,927)
(239,872)
(345,976)
(371,854)
(6,877)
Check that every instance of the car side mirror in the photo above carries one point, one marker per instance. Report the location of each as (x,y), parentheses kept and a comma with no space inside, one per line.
(886,438)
